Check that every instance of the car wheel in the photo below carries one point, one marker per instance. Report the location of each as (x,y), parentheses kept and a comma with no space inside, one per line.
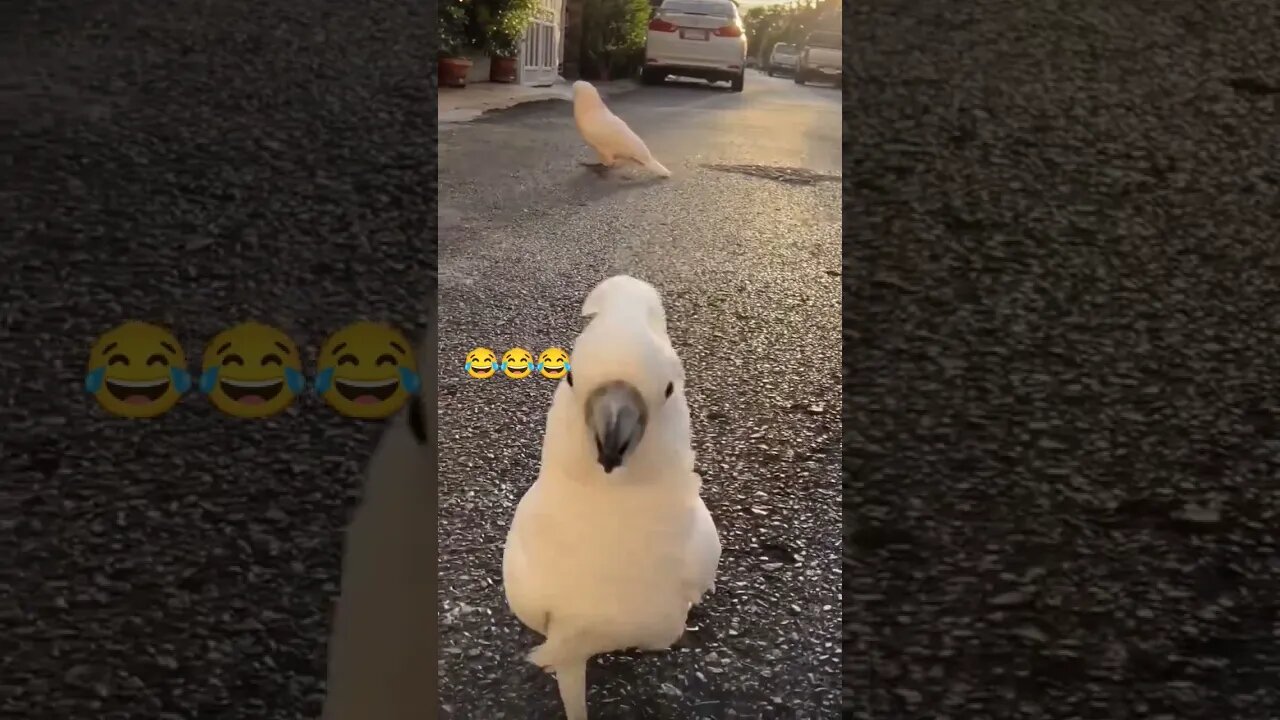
(736,84)
(649,77)
(771,72)
(799,78)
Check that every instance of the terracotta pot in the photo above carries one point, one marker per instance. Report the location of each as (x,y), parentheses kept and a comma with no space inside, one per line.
(502,69)
(453,72)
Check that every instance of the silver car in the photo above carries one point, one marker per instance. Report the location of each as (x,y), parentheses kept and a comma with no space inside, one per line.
(821,58)
(782,59)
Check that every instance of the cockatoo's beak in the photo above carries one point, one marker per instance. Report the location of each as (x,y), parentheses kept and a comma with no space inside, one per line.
(617,416)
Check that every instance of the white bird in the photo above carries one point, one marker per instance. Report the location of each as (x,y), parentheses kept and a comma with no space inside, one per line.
(382,652)
(607,134)
(612,545)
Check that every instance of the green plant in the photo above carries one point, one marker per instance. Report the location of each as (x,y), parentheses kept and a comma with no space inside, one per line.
(506,24)
(454,19)
(613,36)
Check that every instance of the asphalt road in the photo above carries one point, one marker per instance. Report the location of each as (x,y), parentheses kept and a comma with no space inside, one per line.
(749,267)
(1063,335)
(194,164)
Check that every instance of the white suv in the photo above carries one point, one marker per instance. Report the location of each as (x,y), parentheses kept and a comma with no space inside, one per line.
(696,38)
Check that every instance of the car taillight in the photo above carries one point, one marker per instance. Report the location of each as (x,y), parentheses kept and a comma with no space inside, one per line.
(660,25)
(729,31)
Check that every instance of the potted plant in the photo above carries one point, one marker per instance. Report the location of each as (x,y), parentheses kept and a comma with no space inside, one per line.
(453,41)
(506,22)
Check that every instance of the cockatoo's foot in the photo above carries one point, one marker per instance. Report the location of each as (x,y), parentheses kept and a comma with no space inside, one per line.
(538,656)
(693,637)
(700,598)
(597,169)
(696,612)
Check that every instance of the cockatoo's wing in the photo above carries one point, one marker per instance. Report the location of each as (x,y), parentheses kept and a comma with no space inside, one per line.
(521,581)
(704,553)
(530,597)
(612,137)
(635,149)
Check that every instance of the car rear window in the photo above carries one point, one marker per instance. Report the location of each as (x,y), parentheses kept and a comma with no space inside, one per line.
(713,8)
(785,48)
(824,40)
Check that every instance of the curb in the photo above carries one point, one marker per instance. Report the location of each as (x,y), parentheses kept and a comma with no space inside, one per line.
(559,91)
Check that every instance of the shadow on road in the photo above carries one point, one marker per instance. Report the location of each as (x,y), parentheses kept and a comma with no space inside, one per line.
(694,84)
(595,182)
(520,111)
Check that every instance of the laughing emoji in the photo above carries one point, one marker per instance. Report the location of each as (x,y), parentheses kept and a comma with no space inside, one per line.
(517,363)
(251,371)
(137,370)
(553,363)
(481,362)
(367,370)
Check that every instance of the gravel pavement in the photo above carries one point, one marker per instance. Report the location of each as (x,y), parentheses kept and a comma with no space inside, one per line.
(193,164)
(749,269)
(1063,352)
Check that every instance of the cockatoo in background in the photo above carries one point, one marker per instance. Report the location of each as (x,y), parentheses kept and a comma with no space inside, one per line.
(612,545)
(607,134)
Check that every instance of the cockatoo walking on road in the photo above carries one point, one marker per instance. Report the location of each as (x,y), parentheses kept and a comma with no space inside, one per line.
(607,134)
(612,545)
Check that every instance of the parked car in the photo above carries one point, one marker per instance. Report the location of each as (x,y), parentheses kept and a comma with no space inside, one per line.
(696,38)
(820,58)
(782,59)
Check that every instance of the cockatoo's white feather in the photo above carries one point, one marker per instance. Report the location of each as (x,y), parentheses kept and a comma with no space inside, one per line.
(601,561)
(623,293)
(607,134)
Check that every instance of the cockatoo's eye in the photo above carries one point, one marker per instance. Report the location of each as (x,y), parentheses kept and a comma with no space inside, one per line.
(569,379)
(671,387)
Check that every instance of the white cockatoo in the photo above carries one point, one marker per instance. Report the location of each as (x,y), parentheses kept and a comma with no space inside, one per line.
(607,134)
(382,652)
(612,545)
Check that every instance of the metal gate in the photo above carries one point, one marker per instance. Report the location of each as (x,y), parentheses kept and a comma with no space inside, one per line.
(540,51)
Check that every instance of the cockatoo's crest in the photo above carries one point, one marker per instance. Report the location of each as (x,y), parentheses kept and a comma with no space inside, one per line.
(623,292)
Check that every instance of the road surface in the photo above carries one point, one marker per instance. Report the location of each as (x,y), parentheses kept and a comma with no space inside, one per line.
(1063,339)
(193,164)
(749,266)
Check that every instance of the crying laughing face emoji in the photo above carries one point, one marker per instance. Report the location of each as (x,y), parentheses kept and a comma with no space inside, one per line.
(481,363)
(517,363)
(137,370)
(367,370)
(553,363)
(251,371)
